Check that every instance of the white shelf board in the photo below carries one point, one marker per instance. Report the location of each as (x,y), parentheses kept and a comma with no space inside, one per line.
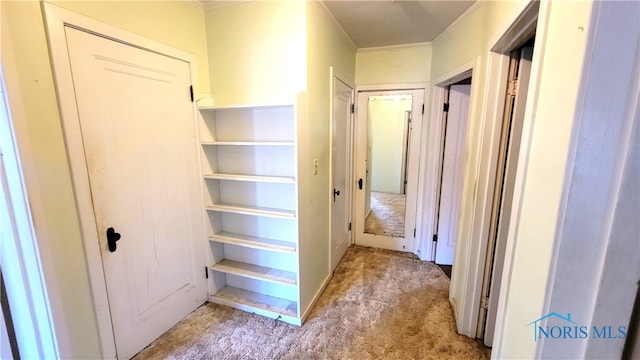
(256,272)
(254,242)
(260,304)
(251,178)
(247,143)
(253,210)
(243,107)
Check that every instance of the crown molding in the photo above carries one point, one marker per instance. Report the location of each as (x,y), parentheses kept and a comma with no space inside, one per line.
(475,6)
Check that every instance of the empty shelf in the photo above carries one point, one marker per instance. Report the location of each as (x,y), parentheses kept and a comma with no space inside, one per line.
(253,210)
(254,178)
(251,301)
(254,242)
(248,143)
(256,272)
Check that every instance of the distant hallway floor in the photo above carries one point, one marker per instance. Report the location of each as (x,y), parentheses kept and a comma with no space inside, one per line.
(387,214)
(380,304)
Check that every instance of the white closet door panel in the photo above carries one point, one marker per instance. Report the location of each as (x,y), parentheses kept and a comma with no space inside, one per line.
(138,136)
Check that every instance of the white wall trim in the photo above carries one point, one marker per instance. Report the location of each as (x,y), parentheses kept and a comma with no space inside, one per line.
(315,298)
(475,6)
(537,64)
(431,152)
(214,4)
(395,47)
(337,24)
(34,308)
(396,86)
(56,20)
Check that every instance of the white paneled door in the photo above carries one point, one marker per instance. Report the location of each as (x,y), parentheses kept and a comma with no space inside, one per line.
(138,132)
(340,170)
(451,187)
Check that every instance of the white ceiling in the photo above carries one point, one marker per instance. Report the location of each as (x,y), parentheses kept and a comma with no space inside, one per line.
(372,23)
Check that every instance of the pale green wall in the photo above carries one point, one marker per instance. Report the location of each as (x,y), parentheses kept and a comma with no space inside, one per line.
(34,110)
(280,52)
(387,121)
(257,52)
(179,24)
(470,41)
(326,47)
(393,65)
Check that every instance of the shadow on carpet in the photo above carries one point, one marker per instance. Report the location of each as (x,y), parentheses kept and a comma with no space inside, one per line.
(379,304)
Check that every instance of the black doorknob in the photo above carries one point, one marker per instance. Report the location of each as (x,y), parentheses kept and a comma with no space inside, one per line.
(112,237)
(335,193)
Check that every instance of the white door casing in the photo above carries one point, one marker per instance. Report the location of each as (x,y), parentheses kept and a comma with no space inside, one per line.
(362,152)
(452,176)
(508,189)
(340,169)
(138,134)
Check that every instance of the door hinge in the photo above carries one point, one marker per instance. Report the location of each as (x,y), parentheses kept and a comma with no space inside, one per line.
(206,272)
(512,88)
(349,226)
(484,303)
(353,108)
(445,107)
(414,232)
(422,109)
(435,237)
(191,92)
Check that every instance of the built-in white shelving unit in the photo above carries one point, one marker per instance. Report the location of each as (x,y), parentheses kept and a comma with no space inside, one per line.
(250,181)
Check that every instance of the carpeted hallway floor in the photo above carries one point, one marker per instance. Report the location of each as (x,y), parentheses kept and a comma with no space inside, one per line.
(380,304)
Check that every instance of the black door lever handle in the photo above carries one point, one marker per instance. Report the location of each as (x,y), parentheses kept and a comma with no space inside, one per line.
(112,237)
(335,193)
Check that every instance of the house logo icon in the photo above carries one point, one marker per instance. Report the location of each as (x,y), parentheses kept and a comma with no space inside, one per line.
(536,327)
(559,327)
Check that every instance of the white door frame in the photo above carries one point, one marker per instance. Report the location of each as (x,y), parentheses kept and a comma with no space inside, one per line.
(422,154)
(432,143)
(477,204)
(333,74)
(32,303)
(56,19)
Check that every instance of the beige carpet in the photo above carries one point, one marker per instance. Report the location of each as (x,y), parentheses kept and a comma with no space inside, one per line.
(387,215)
(380,304)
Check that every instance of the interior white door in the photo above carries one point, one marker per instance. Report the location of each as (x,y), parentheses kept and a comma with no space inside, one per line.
(138,132)
(340,170)
(374,152)
(451,183)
